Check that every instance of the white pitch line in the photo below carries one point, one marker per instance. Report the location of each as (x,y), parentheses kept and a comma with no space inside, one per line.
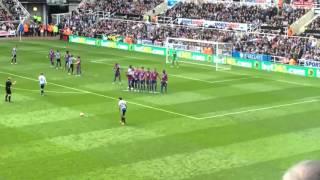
(213,66)
(56,92)
(292,82)
(260,109)
(211,82)
(105,96)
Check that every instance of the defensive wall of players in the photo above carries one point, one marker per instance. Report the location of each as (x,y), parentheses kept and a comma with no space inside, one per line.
(235,60)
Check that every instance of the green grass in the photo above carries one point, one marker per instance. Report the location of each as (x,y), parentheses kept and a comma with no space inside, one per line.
(241,124)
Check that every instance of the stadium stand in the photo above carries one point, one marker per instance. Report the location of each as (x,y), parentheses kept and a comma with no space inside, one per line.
(14,8)
(272,18)
(7,26)
(314,28)
(4,16)
(151,33)
(85,22)
(128,8)
(315,25)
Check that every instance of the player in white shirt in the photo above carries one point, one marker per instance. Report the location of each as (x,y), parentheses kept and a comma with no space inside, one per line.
(123,109)
(14,55)
(130,74)
(42,82)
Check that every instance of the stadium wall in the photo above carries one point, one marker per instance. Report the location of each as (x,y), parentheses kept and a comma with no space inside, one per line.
(196,56)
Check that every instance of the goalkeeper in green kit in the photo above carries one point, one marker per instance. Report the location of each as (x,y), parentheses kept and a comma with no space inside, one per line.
(174,58)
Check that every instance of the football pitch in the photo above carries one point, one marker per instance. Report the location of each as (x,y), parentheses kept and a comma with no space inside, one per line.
(240,124)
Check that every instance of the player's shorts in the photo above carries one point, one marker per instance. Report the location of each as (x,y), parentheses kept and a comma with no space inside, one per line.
(117,74)
(15,56)
(123,111)
(8,90)
(58,60)
(42,86)
(153,82)
(142,81)
(164,84)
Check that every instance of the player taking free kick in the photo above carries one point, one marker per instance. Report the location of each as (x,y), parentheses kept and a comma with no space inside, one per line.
(123,109)
(42,82)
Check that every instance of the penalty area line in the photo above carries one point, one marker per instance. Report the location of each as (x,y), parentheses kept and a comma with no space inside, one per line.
(211,82)
(261,109)
(105,96)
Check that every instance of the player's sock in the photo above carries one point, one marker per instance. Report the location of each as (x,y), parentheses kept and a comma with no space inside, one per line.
(9,97)
(6,99)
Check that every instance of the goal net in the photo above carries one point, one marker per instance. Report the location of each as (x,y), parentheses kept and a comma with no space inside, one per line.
(204,51)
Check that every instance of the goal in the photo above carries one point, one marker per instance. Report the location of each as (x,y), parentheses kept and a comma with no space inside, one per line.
(215,53)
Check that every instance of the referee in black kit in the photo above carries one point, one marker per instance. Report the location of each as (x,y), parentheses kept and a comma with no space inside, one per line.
(8,89)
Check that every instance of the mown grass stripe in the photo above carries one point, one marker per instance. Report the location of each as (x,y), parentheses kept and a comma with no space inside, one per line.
(261,108)
(75,142)
(99,138)
(207,161)
(38,116)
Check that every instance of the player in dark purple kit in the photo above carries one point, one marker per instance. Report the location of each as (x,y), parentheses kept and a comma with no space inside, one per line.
(117,74)
(142,79)
(148,79)
(164,81)
(51,56)
(136,80)
(154,77)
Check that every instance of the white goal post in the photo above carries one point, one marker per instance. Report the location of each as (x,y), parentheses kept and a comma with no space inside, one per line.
(219,51)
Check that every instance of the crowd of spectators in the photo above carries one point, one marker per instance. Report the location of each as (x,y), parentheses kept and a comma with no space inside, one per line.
(236,12)
(4,16)
(80,23)
(14,8)
(315,25)
(7,26)
(313,28)
(124,7)
(270,44)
